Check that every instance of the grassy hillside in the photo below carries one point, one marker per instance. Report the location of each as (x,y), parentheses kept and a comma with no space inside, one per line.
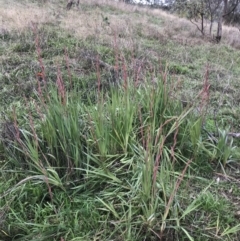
(118,122)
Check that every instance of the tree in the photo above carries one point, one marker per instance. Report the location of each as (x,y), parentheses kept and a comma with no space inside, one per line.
(226,11)
(231,8)
(201,12)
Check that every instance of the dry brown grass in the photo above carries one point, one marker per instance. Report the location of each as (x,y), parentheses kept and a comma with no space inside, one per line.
(129,19)
(20,16)
(231,35)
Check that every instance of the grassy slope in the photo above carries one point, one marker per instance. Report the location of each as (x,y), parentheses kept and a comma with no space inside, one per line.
(150,35)
(147,40)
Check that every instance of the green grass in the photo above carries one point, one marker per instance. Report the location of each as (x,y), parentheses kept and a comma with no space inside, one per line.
(124,142)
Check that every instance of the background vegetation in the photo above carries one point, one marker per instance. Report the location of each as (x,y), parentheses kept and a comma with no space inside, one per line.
(118,122)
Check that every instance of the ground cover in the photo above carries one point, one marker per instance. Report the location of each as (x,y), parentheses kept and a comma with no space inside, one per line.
(117,123)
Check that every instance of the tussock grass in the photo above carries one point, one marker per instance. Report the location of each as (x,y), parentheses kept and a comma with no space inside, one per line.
(120,159)
(126,136)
